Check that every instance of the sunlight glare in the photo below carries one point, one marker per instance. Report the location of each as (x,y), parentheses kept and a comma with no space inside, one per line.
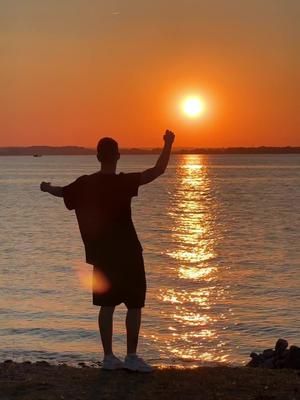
(193,106)
(88,281)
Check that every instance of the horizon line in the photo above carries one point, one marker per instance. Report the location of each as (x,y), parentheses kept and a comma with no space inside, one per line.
(154,147)
(38,151)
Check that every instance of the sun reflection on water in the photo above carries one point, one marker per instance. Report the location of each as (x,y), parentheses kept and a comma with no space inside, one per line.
(194,336)
(196,273)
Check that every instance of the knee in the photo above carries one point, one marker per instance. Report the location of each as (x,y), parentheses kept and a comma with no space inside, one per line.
(107,310)
(134,311)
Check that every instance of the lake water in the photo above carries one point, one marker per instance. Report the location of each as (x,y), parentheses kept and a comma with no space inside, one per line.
(221,238)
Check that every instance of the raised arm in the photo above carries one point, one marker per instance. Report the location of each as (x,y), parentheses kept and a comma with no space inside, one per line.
(54,190)
(152,173)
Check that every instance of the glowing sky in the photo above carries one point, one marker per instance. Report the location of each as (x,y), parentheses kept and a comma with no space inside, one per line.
(72,71)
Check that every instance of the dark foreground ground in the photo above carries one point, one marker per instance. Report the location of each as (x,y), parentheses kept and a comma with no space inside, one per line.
(45,382)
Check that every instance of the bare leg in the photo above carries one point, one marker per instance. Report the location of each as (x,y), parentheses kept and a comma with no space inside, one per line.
(133,323)
(105,321)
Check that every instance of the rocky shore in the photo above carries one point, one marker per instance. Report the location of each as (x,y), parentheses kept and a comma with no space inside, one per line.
(279,357)
(42,381)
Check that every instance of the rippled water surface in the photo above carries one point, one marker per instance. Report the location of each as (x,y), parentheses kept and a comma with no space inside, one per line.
(221,238)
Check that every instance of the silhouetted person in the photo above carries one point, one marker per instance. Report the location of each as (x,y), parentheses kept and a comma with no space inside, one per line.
(102,202)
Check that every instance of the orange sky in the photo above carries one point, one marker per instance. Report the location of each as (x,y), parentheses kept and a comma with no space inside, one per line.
(73,71)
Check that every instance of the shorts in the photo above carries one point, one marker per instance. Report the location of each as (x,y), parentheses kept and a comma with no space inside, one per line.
(119,280)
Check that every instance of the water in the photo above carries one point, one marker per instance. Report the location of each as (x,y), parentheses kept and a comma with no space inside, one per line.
(221,241)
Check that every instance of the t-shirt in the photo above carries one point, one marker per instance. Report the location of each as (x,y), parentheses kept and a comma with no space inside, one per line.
(102,203)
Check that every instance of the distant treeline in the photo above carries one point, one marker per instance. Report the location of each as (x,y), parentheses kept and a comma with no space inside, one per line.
(76,150)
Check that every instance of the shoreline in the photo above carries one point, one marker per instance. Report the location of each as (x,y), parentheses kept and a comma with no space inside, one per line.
(41,380)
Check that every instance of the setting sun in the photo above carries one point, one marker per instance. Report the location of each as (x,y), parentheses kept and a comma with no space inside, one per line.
(193,106)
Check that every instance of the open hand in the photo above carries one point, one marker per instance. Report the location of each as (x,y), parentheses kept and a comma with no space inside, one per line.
(44,186)
(169,137)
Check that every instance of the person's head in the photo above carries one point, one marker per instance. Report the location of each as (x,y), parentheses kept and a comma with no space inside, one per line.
(108,150)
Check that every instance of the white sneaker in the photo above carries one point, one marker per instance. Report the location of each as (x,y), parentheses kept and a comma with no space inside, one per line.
(112,362)
(134,363)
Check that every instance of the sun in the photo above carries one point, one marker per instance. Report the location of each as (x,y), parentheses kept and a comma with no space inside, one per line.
(193,106)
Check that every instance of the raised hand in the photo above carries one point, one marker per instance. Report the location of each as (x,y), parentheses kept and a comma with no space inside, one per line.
(169,137)
(56,191)
(44,186)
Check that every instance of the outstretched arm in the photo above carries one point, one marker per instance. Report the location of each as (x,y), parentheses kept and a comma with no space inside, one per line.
(54,190)
(152,173)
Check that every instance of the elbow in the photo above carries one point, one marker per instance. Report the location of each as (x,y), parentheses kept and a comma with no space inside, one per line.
(159,171)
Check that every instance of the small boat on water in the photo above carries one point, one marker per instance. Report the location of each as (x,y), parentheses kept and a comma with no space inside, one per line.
(37,155)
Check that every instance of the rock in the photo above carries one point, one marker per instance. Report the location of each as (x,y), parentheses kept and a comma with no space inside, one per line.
(8,361)
(268,353)
(82,364)
(284,354)
(293,358)
(26,363)
(257,360)
(96,364)
(281,346)
(279,363)
(268,363)
(42,363)
(62,364)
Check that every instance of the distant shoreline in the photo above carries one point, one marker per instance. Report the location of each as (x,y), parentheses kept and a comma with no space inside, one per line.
(77,150)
